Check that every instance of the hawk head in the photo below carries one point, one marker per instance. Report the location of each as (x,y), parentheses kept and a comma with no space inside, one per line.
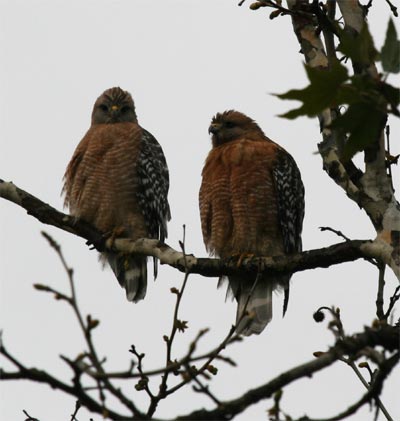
(114,106)
(232,125)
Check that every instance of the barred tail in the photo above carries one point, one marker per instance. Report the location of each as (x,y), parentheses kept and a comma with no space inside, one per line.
(131,272)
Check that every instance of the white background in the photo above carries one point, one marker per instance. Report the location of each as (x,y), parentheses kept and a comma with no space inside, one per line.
(183,61)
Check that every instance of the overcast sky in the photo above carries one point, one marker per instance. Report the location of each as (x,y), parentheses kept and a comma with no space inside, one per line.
(182,61)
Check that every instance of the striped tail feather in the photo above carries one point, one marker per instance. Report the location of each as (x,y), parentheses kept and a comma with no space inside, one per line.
(131,272)
(254,310)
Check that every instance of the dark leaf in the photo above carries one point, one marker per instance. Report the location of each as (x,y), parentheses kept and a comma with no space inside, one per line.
(363,123)
(320,94)
(347,94)
(390,54)
(359,47)
(392,96)
(181,325)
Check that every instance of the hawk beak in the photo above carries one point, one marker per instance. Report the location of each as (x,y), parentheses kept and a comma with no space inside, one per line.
(214,128)
(114,109)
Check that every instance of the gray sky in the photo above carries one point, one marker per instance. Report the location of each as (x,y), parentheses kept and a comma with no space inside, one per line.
(183,62)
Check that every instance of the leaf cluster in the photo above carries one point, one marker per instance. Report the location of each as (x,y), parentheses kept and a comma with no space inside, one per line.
(368,99)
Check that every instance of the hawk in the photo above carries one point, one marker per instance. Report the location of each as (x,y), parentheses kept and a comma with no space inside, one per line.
(118,181)
(251,203)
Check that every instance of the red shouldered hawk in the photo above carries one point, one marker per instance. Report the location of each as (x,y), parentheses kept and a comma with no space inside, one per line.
(251,202)
(118,181)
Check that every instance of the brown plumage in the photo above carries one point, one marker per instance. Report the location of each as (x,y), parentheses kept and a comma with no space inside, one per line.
(117,180)
(251,202)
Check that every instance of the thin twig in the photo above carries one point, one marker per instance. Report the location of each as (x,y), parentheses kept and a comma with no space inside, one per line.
(372,393)
(340,334)
(206,390)
(338,233)
(41,376)
(393,299)
(305,11)
(230,338)
(176,324)
(392,8)
(77,407)
(29,417)
(389,167)
(379,296)
(143,384)
(87,332)
(367,385)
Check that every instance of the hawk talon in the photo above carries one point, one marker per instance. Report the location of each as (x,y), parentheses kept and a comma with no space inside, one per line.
(244,256)
(99,243)
(238,258)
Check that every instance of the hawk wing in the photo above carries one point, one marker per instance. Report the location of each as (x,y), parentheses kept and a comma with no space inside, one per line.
(290,200)
(153,188)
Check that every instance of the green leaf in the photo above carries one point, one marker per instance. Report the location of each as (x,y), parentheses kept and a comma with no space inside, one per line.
(392,96)
(347,94)
(378,94)
(363,123)
(320,94)
(359,47)
(390,54)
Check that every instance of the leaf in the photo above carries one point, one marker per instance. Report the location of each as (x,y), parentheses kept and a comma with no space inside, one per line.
(390,53)
(392,96)
(359,47)
(363,122)
(320,94)
(348,94)
(181,325)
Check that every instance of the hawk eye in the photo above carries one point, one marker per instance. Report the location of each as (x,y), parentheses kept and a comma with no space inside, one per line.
(124,109)
(103,107)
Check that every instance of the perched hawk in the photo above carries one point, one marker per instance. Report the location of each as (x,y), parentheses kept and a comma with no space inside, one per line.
(251,203)
(118,181)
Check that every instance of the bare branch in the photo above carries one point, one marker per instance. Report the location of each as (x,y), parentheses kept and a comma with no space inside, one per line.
(393,299)
(41,376)
(77,407)
(336,326)
(338,233)
(393,8)
(87,327)
(30,418)
(373,391)
(386,336)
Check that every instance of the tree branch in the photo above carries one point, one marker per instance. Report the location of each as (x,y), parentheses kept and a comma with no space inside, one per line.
(210,267)
(386,336)
(41,376)
(371,189)
(373,391)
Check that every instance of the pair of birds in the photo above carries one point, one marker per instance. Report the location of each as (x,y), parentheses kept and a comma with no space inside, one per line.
(251,197)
